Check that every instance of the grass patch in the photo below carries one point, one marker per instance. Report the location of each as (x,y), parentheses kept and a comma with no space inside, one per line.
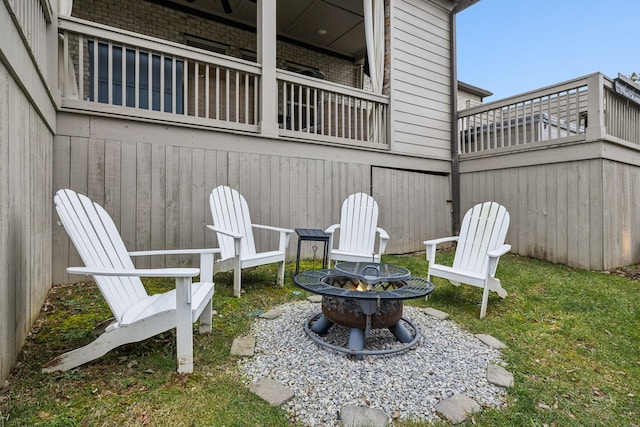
(572,340)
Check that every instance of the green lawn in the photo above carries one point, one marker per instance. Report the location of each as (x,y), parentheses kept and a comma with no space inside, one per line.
(573,342)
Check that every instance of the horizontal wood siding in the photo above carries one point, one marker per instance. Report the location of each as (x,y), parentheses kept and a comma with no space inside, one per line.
(420,79)
(556,209)
(413,207)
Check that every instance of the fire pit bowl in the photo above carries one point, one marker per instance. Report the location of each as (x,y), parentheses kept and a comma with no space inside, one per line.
(363,296)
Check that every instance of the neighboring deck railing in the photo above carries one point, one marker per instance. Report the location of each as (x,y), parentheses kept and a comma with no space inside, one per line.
(108,70)
(622,116)
(578,110)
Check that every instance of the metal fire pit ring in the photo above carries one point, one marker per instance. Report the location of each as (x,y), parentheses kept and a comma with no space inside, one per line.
(354,352)
(394,284)
(315,282)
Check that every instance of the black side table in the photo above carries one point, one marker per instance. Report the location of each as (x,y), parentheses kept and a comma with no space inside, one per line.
(312,235)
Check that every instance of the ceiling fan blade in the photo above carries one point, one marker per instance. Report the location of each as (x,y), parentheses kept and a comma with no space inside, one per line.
(226,6)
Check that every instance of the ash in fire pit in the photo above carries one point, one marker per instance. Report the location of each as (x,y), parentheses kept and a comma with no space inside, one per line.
(363,296)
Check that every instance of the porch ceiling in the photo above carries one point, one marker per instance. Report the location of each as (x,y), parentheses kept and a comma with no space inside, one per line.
(334,25)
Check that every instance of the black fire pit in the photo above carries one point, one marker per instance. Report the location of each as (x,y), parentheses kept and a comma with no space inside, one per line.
(363,296)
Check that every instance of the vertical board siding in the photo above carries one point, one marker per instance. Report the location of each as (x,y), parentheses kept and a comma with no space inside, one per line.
(157,192)
(421,107)
(621,229)
(413,207)
(563,212)
(25,217)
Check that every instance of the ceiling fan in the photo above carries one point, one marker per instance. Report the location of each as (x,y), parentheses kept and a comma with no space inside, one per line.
(225,5)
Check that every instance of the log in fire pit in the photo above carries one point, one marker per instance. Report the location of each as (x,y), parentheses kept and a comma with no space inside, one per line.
(363,296)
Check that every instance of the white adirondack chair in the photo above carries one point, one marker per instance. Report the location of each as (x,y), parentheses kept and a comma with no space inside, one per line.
(480,246)
(138,316)
(234,230)
(358,228)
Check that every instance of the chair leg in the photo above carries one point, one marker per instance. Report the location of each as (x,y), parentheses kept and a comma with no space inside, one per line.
(280,280)
(485,298)
(184,325)
(237,276)
(205,319)
(107,342)
(237,266)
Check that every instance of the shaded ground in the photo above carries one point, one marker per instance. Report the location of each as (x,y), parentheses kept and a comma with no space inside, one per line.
(631,272)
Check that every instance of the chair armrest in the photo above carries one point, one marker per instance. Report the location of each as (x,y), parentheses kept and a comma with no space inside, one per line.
(431,247)
(384,238)
(285,234)
(176,252)
(223,231)
(269,227)
(332,228)
(494,257)
(183,276)
(138,272)
(441,240)
(206,258)
(499,252)
(331,232)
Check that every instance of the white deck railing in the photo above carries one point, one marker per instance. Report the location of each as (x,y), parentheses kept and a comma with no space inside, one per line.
(119,72)
(32,17)
(330,112)
(108,69)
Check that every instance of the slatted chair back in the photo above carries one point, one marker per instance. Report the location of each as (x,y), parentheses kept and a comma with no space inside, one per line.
(230,211)
(484,229)
(358,223)
(99,244)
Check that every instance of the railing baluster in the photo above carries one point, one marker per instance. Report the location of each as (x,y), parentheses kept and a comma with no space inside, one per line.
(322,113)
(217,106)
(110,74)
(162,83)
(196,88)
(206,91)
(256,109)
(123,79)
(237,106)
(246,98)
(81,66)
(227,94)
(150,81)
(329,125)
(343,115)
(307,102)
(136,63)
(65,66)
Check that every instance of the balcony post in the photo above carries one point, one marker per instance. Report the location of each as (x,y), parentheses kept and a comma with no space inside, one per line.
(266,33)
(596,128)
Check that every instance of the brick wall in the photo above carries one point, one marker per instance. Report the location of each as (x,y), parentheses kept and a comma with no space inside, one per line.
(169,24)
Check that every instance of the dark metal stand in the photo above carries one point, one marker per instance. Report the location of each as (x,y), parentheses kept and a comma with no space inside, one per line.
(312,235)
